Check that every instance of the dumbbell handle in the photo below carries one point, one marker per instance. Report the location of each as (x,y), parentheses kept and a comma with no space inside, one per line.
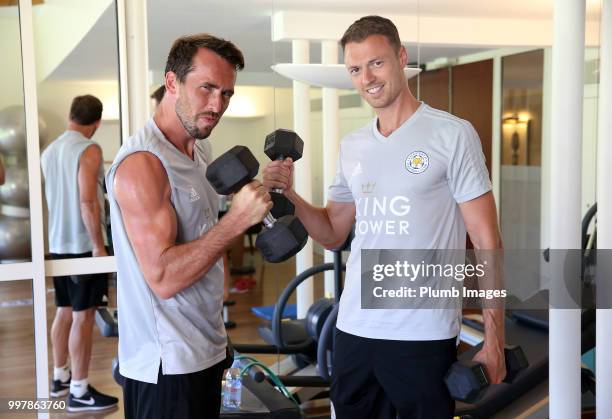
(269,220)
(279,190)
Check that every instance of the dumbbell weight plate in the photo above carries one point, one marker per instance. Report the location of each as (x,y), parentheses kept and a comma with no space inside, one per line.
(466,381)
(232,170)
(516,361)
(287,237)
(283,143)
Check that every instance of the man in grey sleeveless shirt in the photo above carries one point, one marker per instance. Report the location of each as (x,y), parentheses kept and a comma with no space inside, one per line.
(74,180)
(169,244)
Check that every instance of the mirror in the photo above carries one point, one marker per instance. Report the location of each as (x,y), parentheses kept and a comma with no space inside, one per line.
(14,189)
(75,60)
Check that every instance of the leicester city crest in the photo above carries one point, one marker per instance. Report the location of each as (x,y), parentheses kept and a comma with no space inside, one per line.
(417,162)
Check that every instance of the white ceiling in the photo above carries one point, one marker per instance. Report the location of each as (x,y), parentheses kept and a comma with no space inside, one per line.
(95,57)
(524,9)
(248,24)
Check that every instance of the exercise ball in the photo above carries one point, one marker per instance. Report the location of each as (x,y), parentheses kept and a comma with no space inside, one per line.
(13,131)
(15,189)
(14,238)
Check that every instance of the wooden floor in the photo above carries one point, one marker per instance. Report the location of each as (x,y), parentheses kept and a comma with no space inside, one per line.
(17,357)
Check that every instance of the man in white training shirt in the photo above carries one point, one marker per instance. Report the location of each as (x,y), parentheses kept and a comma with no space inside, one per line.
(414,178)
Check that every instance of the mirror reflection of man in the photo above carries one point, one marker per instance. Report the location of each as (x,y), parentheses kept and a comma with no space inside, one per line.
(74,179)
(158,95)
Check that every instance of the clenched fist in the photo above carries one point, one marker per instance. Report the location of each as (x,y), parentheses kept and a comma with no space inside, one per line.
(492,358)
(250,205)
(278,174)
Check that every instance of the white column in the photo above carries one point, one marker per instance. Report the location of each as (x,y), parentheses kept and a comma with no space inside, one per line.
(39,289)
(565,215)
(331,142)
(496,134)
(133,65)
(546,147)
(303,169)
(604,212)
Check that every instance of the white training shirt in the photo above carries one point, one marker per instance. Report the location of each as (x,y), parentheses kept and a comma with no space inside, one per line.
(406,188)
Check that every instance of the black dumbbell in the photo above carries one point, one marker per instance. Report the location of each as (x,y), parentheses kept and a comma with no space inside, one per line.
(281,238)
(279,145)
(467,380)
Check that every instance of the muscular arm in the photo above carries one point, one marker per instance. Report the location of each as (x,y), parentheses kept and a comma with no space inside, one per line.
(142,191)
(480,217)
(87,177)
(329,226)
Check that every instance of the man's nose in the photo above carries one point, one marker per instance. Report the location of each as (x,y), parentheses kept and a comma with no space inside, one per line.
(216,102)
(367,76)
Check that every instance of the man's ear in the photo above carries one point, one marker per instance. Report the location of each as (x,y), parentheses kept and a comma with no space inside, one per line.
(171,82)
(403,56)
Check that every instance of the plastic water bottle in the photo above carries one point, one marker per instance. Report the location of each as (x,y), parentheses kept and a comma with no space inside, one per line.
(232,392)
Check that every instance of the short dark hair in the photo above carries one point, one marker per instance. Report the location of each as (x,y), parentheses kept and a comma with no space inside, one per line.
(183,49)
(86,110)
(158,94)
(372,25)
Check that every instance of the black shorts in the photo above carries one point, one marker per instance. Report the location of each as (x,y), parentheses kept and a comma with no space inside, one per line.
(79,291)
(376,378)
(181,396)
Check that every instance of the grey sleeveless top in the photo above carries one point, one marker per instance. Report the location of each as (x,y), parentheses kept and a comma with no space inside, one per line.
(184,333)
(60,167)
